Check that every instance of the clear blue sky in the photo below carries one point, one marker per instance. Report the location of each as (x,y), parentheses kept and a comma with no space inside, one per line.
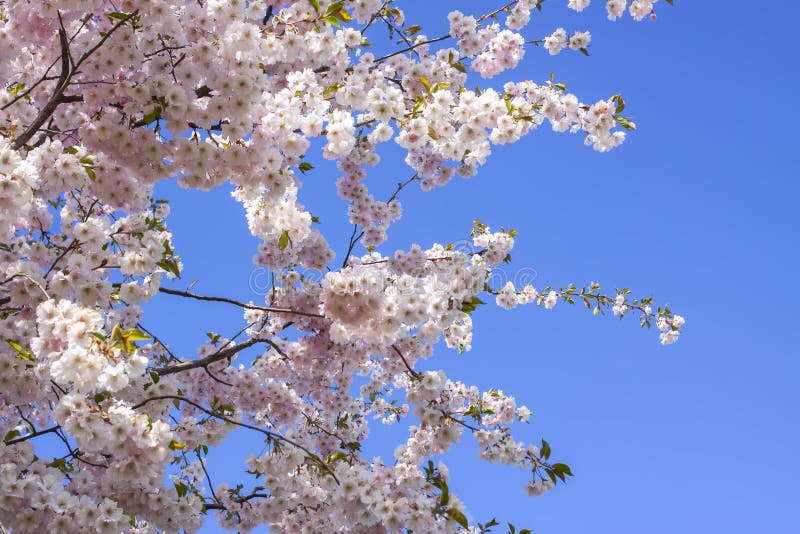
(698,207)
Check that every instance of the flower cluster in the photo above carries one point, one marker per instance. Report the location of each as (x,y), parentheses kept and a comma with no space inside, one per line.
(101,101)
(67,348)
(559,40)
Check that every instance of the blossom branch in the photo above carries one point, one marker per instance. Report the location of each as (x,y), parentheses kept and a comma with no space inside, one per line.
(272,435)
(67,71)
(442,37)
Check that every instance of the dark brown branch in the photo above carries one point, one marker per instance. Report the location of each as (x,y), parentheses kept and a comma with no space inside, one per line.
(32,435)
(356,238)
(52,104)
(215,379)
(373,17)
(277,348)
(443,37)
(412,47)
(237,303)
(415,374)
(208,360)
(240,500)
(353,240)
(70,247)
(208,476)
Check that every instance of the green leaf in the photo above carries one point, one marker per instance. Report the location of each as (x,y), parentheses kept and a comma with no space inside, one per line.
(458,516)
(625,122)
(59,463)
(562,468)
(119,15)
(283,240)
(444,498)
(153,116)
(492,523)
(545,450)
(425,83)
(469,306)
(155,377)
(336,14)
(551,474)
(22,354)
(11,435)
(135,334)
(171,266)
(620,103)
(334,7)
(181,488)
(176,445)
(314,4)
(16,89)
(336,457)
(98,336)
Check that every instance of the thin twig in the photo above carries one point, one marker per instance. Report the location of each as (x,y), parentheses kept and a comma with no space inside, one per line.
(32,435)
(269,434)
(237,303)
(415,374)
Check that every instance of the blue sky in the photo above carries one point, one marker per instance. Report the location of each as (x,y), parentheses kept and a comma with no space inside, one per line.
(698,207)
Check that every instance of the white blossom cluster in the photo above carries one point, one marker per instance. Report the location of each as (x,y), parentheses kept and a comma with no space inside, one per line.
(102,101)
(376,302)
(67,349)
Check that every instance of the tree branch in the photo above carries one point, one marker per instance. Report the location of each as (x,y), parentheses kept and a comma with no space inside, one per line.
(272,435)
(237,303)
(32,435)
(208,360)
(67,71)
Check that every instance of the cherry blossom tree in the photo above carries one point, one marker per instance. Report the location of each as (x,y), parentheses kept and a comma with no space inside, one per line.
(104,99)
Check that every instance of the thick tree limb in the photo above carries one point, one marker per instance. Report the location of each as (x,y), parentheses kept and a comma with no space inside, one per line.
(208,360)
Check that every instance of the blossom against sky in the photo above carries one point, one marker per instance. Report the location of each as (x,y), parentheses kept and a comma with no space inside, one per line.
(697,206)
